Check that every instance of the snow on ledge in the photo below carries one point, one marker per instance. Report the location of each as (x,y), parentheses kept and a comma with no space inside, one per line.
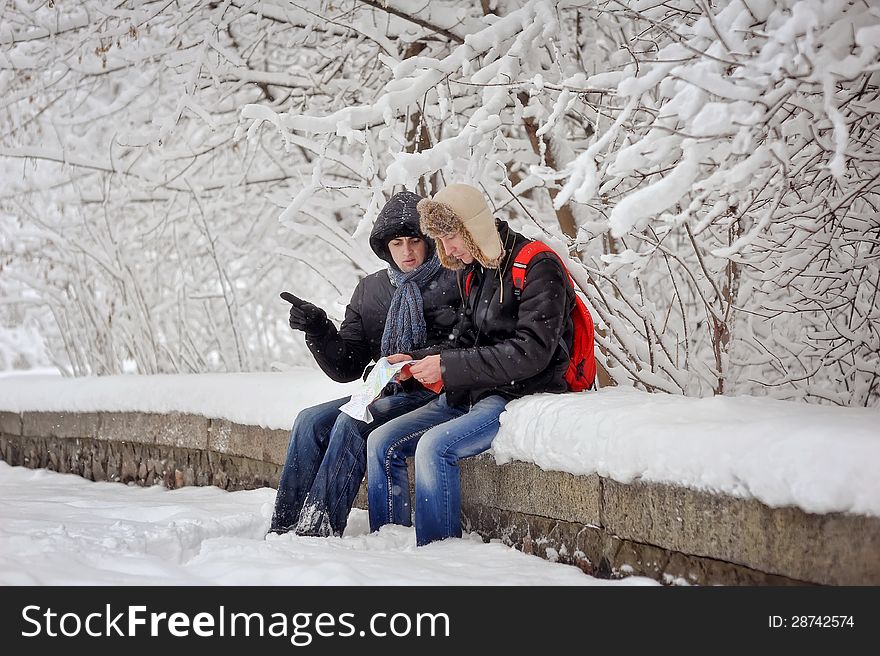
(818,458)
(270,400)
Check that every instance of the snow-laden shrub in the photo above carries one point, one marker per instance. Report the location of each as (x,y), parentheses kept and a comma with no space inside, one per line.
(710,167)
(714,166)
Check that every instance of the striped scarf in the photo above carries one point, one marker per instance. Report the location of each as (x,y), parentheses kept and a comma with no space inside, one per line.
(405,324)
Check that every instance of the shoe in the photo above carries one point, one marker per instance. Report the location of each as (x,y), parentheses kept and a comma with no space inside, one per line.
(313,523)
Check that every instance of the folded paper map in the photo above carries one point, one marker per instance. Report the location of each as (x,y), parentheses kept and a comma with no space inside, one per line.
(380,376)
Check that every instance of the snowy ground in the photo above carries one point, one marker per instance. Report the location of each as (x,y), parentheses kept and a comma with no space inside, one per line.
(60,529)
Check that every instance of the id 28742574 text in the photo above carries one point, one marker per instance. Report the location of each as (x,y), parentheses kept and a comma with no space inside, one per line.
(811,622)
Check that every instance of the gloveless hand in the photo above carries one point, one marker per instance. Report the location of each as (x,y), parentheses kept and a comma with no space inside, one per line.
(427,370)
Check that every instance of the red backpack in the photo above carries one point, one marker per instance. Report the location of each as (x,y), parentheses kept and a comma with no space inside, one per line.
(581,372)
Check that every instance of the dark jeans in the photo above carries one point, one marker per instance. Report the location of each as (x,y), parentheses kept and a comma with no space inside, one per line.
(326,462)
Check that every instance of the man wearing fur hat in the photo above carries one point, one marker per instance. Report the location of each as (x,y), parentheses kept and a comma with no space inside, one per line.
(409,305)
(503,347)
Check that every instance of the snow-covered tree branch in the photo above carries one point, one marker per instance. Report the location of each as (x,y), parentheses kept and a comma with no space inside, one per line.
(710,167)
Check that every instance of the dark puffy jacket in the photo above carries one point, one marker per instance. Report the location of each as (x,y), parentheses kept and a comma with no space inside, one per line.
(507,346)
(343,354)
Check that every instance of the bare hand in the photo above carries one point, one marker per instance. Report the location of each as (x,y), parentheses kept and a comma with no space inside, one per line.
(427,370)
(404,373)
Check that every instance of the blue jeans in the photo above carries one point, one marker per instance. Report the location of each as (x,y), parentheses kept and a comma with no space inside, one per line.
(438,435)
(325,464)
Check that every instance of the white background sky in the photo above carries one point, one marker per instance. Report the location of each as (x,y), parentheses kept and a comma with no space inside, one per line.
(61,529)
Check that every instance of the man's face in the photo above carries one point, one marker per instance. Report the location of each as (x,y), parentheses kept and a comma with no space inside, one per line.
(408,253)
(454,246)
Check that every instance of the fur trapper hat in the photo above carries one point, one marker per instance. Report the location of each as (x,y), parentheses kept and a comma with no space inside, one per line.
(462,208)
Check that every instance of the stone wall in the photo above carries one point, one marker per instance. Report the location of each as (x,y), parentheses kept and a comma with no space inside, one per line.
(608,529)
(147,449)
(667,532)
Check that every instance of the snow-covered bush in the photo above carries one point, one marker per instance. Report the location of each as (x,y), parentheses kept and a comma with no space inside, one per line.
(711,167)
(740,176)
(138,233)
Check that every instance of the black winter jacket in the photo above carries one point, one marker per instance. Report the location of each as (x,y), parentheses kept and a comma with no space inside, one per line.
(343,354)
(506,346)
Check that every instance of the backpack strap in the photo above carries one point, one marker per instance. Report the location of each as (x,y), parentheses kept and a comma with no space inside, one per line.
(519,266)
(521,263)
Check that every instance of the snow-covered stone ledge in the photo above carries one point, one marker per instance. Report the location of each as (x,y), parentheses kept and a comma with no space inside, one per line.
(172,449)
(669,532)
(710,491)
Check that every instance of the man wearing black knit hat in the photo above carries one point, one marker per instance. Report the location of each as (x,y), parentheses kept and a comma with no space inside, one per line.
(410,305)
